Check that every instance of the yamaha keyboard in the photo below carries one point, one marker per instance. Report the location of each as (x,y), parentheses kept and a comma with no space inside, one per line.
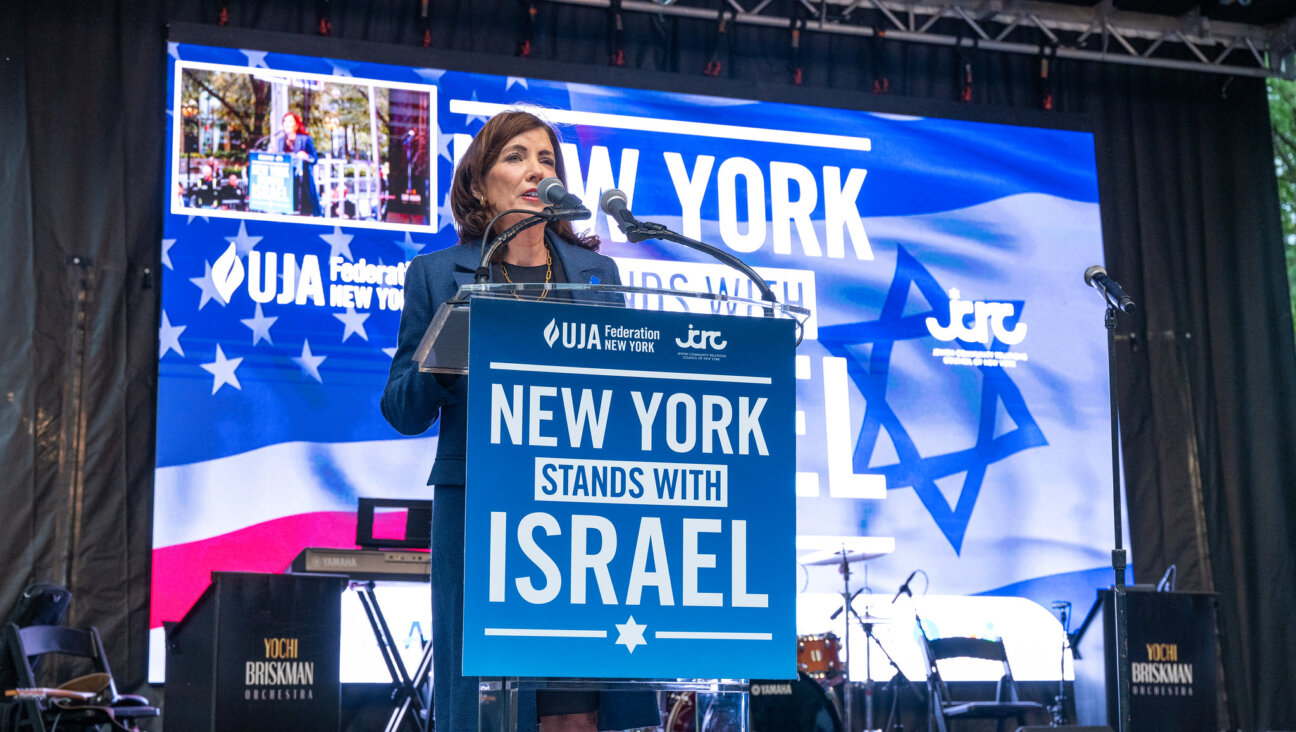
(365,564)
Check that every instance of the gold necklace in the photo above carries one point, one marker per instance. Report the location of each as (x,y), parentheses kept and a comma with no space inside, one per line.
(548,275)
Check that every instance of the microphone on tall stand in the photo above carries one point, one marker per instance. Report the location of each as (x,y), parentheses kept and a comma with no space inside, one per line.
(904,589)
(1096,277)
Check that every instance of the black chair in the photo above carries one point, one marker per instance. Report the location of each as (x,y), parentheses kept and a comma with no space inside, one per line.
(42,603)
(944,709)
(101,706)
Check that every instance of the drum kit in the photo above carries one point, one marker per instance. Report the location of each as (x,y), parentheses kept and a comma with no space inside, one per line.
(820,699)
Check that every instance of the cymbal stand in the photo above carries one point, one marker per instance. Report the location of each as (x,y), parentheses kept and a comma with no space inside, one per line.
(868,666)
(847,597)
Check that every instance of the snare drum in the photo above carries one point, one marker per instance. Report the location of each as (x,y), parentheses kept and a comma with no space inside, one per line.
(819,656)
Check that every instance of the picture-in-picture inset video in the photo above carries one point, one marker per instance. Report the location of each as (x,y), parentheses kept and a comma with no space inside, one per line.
(254,143)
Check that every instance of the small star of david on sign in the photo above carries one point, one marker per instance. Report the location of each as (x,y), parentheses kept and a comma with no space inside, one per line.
(631,634)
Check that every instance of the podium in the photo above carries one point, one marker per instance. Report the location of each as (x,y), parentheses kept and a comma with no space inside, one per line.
(257,651)
(630,517)
(1172,661)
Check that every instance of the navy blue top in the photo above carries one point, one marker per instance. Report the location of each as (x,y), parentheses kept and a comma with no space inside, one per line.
(413,400)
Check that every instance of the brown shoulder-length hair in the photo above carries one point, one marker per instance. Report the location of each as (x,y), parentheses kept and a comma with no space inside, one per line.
(471,216)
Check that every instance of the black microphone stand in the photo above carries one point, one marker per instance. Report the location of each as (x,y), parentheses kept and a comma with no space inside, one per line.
(637,231)
(549,214)
(1121,641)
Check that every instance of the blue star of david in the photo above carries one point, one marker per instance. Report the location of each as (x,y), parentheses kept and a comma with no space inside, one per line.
(913,469)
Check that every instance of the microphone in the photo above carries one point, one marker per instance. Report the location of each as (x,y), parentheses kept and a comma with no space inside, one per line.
(1096,277)
(551,193)
(614,203)
(904,589)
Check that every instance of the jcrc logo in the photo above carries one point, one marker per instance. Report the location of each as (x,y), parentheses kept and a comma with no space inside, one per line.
(702,340)
(581,336)
(988,320)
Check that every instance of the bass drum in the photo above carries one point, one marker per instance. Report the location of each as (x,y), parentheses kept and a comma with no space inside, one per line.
(720,715)
(792,706)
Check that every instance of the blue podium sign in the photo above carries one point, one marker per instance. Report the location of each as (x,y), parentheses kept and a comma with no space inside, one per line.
(270,183)
(631,508)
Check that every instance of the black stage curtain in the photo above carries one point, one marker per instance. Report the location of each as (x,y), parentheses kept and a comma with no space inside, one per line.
(1207,365)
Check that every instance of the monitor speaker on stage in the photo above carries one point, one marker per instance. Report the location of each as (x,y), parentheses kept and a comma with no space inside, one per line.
(257,651)
(1171,665)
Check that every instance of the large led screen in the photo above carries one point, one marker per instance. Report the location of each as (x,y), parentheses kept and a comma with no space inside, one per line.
(952,389)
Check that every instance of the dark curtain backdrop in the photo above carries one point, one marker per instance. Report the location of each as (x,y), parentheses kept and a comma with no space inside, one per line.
(1207,366)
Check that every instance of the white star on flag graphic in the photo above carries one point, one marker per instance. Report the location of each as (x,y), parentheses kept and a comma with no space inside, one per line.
(166,252)
(260,325)
(354,323)
(309,362)
(409,247)
(339,244)
(222,369)
(243,242)
(208,285)
(256,59)
(169,336)
(430,76)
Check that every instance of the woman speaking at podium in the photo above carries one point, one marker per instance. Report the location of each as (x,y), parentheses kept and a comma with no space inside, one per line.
(511,154)
(293,139)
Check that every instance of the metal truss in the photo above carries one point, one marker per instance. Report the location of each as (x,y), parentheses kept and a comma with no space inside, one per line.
(1098,33)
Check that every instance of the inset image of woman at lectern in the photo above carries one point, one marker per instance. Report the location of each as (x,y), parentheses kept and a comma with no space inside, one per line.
(507,159)
(293,139)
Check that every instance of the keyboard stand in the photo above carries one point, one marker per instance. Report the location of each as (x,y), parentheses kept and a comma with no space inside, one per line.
(411,693)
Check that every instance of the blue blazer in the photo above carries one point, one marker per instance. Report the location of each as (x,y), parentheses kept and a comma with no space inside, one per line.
(412,400)
(303,170)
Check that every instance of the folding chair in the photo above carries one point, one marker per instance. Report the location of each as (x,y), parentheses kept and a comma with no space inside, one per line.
(1006,703)
(94,701)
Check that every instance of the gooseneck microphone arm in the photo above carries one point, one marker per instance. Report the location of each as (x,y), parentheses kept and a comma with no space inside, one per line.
(613,203)
(657,231)
(483,266)
(559,206)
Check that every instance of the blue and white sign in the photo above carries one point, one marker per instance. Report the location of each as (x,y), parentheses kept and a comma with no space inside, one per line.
(631,507)
(270,183)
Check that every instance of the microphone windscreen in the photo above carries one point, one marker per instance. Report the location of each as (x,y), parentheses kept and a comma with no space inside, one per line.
(610,195)
(550,191)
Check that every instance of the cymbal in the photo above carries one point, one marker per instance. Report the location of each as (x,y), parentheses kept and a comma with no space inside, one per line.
(834,556)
